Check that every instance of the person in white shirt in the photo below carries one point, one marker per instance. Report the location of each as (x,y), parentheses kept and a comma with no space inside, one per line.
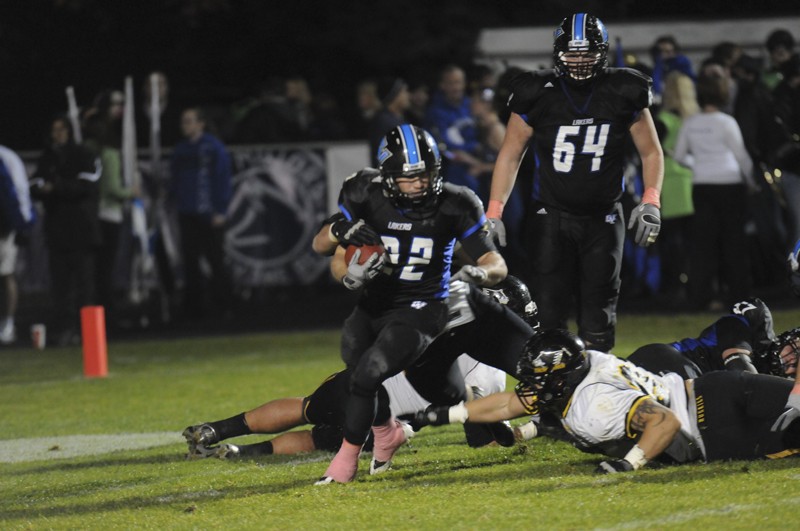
(711,144)
(610,406)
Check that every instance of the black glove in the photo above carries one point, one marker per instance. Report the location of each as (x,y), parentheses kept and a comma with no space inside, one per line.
(355,233)
(613,466)
(433,416)
(646,224)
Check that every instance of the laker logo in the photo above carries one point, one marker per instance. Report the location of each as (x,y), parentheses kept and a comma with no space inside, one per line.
(418,305)
(394,225)
(611,219)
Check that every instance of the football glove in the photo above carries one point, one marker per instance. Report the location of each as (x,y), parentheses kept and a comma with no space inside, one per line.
(359,274)
(354,233)
(471,274)
(790,415)
(646,223)
(613,466)
(497,230)
(433,416)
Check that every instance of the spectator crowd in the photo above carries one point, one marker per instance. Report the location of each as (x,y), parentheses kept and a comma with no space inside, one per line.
(729,128)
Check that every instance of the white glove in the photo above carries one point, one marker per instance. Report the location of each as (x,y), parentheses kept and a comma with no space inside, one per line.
(787,417)
(471,274)
(498,231)
(359,274)
(646,222)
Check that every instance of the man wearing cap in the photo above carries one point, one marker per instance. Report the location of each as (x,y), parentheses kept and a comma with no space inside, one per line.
(395,101)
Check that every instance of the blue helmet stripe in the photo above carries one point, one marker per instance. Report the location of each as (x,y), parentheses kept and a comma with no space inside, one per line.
(412,147)
(578,22)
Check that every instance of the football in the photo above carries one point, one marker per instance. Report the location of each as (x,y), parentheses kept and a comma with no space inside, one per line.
(366,252)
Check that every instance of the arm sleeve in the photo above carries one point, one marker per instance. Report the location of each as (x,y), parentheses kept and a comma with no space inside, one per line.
(112,177)
(474,235)
(734,140)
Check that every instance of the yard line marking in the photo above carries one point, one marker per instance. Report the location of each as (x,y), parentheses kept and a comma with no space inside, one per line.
(46,448)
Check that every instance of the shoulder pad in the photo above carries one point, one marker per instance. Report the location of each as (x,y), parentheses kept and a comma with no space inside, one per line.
(526,89)
(461,199)
(356,186)
(632,85)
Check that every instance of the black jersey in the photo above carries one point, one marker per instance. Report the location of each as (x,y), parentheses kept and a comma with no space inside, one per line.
(419,250)
(730,331)
(580,134)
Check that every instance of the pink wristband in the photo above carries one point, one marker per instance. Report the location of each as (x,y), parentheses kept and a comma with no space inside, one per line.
(495,209)
(652,196)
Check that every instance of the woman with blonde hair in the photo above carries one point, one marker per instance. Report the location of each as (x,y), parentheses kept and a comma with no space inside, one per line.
(679,101)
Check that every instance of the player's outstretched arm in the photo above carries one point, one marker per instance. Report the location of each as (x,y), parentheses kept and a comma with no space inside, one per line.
(493,408)
(658,426)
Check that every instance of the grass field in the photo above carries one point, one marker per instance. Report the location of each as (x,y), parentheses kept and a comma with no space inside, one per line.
(108,454)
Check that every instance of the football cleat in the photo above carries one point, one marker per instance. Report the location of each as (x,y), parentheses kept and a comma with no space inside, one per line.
(401,435)
(201,452)
(199,438)
(227,451)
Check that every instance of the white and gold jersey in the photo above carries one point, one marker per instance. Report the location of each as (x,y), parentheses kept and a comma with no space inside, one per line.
(601,408)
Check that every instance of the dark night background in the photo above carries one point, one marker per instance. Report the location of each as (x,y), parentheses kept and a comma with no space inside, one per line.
(216,52)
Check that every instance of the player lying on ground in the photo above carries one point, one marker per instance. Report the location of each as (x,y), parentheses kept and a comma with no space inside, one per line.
(480,324)
(613,407)
(739,341)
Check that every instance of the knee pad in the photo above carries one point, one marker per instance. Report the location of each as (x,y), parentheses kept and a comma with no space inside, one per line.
(602,341)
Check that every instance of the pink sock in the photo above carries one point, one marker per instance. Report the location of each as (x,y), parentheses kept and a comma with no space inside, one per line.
(388,438)
(344,466)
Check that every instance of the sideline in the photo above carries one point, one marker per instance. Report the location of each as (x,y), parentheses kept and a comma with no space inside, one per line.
(47,448)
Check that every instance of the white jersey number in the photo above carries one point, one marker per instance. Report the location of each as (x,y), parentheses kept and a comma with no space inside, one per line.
(594,143)
(419,255)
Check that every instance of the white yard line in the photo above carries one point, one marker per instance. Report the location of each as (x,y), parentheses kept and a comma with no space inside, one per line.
(44,448)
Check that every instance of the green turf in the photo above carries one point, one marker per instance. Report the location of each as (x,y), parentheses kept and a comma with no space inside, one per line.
(439,483)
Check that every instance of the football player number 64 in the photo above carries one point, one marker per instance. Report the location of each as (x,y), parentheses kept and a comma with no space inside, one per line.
(420,254)
(594,143)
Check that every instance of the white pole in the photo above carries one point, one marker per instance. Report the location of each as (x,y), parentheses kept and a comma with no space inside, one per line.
(73,114)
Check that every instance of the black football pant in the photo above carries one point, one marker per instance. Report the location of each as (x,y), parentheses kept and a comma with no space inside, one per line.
(376,347)
(735,411)
(324,408)
(580,257)
(660,358)
(496,337)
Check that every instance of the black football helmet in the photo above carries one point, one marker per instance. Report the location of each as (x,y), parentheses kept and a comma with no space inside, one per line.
(758,316)
(515,294)
(409,151)
(769,360)
(585,35)
(552,364)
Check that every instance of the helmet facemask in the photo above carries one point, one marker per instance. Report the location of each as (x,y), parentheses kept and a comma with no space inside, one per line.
(780,358)
(553,363)
(580,48)
(407,153)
